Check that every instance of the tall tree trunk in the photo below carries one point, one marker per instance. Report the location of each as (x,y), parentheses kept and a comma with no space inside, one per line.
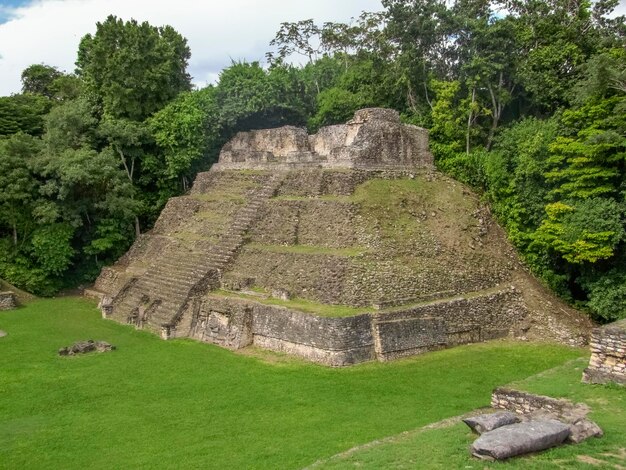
(137,228)
(129,172)
(496,112)
(14,234)
(470,118)
(426,86)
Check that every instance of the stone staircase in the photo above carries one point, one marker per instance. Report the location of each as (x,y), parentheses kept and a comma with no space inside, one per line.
(158,298)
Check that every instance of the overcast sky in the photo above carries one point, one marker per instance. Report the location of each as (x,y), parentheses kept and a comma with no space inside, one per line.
(48,31)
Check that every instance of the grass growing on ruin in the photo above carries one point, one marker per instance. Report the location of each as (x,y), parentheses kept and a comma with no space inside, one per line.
(325,197)
(309,249)
(401,207)
(183,404)
(220,196)
(303,305)
(446,446)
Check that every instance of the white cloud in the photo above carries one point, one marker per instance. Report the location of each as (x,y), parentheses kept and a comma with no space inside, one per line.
(48,31)
(620,9)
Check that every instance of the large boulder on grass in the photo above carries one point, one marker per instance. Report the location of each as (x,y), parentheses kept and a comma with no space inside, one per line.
(520,438)
(491,421)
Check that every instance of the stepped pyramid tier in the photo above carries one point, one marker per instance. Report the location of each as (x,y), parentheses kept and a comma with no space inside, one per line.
(340,247)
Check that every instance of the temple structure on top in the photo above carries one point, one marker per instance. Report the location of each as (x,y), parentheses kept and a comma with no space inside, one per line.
(374,139)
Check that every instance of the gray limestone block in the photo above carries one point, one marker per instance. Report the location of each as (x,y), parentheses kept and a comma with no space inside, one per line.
(520,438)
(584,429)
(491,421)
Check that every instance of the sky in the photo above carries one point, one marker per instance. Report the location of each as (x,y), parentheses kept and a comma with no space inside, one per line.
(48,31)
(218,31)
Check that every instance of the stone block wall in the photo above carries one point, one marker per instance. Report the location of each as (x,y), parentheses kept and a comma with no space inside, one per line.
(525,403)
(235,323)
(318,277)
(330,341)
(373,138)
(608,354)
(448,323)
(316,222)
(222,322)
(8,300)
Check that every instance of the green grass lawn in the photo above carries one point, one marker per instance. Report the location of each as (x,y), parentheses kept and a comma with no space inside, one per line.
(447,447)
(183,404)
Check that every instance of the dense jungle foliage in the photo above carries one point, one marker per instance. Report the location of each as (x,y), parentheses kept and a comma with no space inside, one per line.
(525,101)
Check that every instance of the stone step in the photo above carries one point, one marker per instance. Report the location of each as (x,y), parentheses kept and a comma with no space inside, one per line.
(221,256)
(155,289)
(181,269)
(177,265)
(174,274)
(170,278)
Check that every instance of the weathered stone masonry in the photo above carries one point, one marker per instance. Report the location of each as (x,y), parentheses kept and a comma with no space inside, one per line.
(273,215)
(8,301)
(608,354)
(236,323)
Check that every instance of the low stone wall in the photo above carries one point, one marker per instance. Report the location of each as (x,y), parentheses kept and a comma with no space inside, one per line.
(525,403)
(330,341)
(608,354)
(8,300)
(235,323)
(448,323)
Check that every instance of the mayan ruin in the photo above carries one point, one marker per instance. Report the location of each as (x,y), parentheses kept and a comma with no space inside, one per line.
(284,226)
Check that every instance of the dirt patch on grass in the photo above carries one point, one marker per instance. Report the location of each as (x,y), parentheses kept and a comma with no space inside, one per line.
(586,459)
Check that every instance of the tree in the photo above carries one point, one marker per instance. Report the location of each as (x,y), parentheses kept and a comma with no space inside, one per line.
(23,113)
(39,78)
(251,98)
(555,38)
(186,131)
(19,185)
(421,31)
(133,69)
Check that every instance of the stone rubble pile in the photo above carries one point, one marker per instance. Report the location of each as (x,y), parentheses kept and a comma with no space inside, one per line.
(82,347)
(8,300)
(531,423)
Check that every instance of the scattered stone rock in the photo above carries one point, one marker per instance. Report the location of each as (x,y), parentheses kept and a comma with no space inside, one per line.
(532,407)
(583,429)
(2,334)
(8,300)
(281,294)
(521,438)
(491,421)
(82,347)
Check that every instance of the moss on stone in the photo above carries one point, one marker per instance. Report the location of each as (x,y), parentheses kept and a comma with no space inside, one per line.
(299,304)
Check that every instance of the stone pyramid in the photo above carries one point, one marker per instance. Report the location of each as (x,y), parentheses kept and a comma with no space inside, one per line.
(339,247)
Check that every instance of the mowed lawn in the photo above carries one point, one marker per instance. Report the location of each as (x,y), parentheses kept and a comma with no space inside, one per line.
(446,447)
(183,404)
